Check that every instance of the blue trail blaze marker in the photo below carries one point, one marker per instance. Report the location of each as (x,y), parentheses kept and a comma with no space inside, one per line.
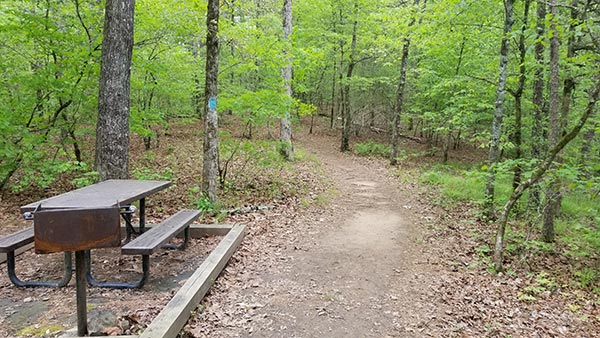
(212,103)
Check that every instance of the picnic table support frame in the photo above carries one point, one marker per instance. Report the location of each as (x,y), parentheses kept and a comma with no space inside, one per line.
(117,285)
(142,215)
(130,230)
(80,273)
(12,275)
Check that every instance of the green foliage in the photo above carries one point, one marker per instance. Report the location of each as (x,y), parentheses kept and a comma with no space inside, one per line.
(46,173)
(86,179)
(165,174)
(202,202)
(256,106)
(541,283)
(581,240)
(372,148)
(587,277)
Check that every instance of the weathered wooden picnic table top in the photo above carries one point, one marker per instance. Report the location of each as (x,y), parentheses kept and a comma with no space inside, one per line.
(104,194)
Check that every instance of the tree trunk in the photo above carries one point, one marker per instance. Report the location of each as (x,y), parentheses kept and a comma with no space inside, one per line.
(400,94)
(585,150)
(112,128)
(538,99)
(517,136)
(333,80)
(287,149)
(332,116)
(552,192)
(347,114)
(494,154)
(210,168)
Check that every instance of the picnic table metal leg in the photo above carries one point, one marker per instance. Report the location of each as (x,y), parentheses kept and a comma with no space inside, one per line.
(128,226)
(80,272)
(127,217)
(182,246)
(117,285)
(12,275)
(142,215)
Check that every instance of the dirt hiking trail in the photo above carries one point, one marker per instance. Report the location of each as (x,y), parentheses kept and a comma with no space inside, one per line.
(353,269)
(359,278)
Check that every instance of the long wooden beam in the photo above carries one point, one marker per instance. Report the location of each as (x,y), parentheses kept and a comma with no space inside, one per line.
(173,317)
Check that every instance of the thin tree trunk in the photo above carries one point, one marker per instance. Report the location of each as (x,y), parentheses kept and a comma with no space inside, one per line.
(494,154)
(347,120)
(112,128)
(586,147)
(333,80)
(538,99)
(552,192)
(332,115)
(400,93)
(517,136)
(448,140)
(210,168)
(287,149)
(538,174)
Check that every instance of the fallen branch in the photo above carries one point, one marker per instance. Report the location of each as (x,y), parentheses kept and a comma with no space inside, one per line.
(248,209)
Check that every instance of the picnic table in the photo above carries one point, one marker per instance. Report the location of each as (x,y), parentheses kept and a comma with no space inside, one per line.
(89,218)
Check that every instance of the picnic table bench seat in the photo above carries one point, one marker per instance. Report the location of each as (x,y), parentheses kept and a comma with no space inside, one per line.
(10,243)
(148,242)
(161,233)
(14,241)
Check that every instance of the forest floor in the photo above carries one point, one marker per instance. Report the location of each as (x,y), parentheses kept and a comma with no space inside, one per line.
(364,250)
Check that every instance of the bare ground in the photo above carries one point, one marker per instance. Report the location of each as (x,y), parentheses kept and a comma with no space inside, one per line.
(353,268)
(373,256)
(363,252)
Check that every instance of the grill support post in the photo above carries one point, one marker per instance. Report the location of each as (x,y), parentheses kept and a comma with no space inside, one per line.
(81,283)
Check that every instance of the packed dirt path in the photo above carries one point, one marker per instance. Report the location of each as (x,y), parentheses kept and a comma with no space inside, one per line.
(353,268)
(362,275)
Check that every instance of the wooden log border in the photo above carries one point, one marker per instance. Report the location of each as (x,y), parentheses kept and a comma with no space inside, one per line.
(176,313)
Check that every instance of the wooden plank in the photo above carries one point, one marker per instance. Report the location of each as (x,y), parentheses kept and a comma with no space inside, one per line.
(197,230)
(17,252)
(201,230)
(104,194)
(18,239)
(173,317)
(160,234)
(72,333)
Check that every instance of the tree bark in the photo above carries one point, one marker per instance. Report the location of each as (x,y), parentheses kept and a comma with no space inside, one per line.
(552,192)
(210,168)
(538,98)
(494,153)
(347,113)
(400,93)
(517,136)
(333,88)
(112,128)
(287,149)
(538,174)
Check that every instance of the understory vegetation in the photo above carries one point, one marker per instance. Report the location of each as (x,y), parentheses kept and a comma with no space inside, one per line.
(461,186)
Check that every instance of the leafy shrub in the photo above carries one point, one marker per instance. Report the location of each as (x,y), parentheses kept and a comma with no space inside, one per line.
(201,202)
(465,185)
(148,174)
(372,148)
